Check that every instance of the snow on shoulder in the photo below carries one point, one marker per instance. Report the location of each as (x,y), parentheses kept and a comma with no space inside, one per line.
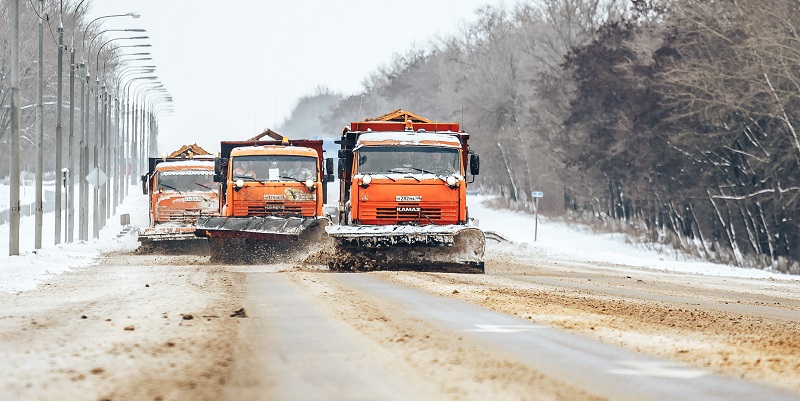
(553,240)
(409,138)
(32,267)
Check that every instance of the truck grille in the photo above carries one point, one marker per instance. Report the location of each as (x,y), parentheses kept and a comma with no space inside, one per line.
(183,216)
(399,213)
(278,209)
(407,215)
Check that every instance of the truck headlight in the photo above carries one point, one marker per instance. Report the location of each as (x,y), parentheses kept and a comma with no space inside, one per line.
(310,184)
(239,183)
(366,181)
(452,181)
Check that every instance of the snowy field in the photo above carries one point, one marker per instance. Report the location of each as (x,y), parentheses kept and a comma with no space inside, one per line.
(555,241)
(558,241)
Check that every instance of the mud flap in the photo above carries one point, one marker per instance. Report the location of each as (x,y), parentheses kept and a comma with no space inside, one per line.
(455,249)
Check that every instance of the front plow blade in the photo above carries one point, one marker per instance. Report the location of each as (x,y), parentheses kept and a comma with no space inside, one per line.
(170,240)
(266,228)
(250,240)
(451,248)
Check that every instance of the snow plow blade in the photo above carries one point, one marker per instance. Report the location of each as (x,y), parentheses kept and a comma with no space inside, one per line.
(170,239)
(259,239)
(447,248)
(266,228)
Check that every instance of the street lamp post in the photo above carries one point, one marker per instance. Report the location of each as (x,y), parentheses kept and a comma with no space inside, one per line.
(146,151)
(70,226)
(139,128)
(159,96)
(13,234)
(95,190)
(39,135)
(120,138)
(83,206)
(59,132)
(101,195)
(127,138)
(83,220)
(107,143)
(69,234)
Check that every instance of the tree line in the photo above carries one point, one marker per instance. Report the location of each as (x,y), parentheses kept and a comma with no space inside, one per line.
(73,17)
(673,121)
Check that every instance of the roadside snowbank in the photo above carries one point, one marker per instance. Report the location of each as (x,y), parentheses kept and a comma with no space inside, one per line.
(557,241)
(31,266)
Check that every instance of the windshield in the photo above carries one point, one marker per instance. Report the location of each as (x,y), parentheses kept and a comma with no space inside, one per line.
(408,159)
(274,168)
(186,181)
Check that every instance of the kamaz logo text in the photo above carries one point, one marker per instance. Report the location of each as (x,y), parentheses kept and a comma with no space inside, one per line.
(409,209)
(400,198)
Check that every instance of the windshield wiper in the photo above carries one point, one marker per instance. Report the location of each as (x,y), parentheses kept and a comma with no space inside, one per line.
(422,170)
(405,169)
(204,186)
(170,187)
(384,175)
(291,178)
(429,172)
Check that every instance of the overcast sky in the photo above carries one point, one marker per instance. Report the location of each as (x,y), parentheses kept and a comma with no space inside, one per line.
(236,67)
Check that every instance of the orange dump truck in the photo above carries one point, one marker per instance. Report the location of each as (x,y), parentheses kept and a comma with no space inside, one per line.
(272,199)
(403,202)
(181,189)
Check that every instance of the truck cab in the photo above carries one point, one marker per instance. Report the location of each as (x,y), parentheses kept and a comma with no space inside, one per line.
(273,194)
(273,180)
(407,177)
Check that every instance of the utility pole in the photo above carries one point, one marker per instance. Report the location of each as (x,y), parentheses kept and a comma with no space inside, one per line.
(13,234)
(71,181)
(83,187)
(95,190)
(134,144)
(39,133)
(59,129)
(116,154)
(104,154)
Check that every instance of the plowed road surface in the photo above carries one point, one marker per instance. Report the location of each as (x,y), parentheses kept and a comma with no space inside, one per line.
(166,327)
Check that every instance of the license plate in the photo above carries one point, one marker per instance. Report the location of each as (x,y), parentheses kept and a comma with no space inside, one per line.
(414,198)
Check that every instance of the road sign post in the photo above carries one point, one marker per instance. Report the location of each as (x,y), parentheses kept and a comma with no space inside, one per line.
(536,195)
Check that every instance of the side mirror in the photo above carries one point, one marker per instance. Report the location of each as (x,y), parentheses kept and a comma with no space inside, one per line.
(329,166)
(144,184)
(474,164)
(343,153)
(341,168)
(219,165)
(329,178)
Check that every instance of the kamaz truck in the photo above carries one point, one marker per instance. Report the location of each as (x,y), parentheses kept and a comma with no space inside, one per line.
(272,199)
(403,202)
(181,189)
